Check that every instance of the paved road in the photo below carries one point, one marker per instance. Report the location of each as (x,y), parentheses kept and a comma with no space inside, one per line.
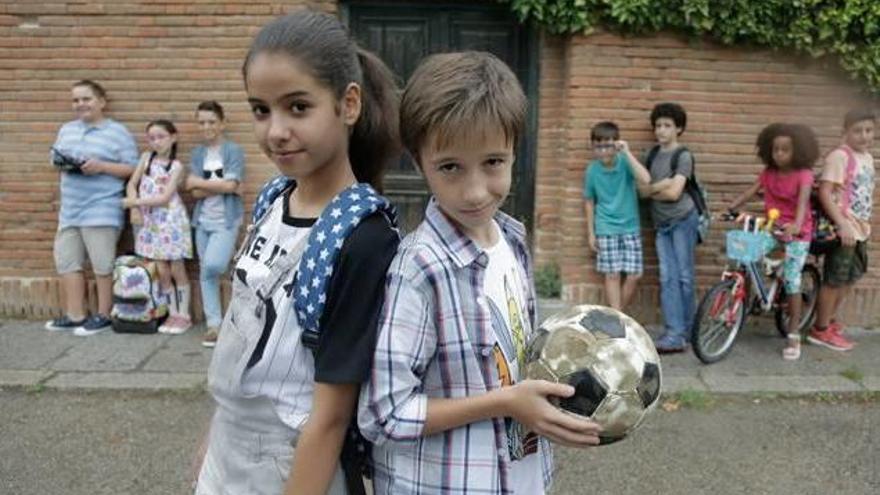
(113,442)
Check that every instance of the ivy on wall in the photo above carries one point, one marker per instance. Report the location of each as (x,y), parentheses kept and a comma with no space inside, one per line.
(846,29)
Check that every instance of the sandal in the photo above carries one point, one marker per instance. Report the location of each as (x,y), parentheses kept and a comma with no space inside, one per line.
(792,352)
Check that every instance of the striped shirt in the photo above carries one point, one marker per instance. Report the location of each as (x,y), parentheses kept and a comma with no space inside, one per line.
(436,340)
(94,200)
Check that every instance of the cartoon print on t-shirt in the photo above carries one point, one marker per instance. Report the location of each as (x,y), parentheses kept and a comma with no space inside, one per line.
(510,346)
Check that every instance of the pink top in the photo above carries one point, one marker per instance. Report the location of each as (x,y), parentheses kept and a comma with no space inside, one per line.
(781,192)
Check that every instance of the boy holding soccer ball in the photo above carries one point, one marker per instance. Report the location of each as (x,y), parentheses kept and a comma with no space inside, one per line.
(445,406)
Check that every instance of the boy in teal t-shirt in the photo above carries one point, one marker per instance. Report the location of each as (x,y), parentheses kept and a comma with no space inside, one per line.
(612,210)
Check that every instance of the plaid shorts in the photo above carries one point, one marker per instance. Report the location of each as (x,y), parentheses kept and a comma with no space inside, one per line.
(619,253)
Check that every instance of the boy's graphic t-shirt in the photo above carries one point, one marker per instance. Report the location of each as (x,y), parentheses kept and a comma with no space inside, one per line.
(506,289)
(213,207)
(613,192)
(861,190)
(781,190)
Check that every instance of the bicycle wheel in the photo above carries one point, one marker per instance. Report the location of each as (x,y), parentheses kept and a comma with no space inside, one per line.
(719,318)
(811,281)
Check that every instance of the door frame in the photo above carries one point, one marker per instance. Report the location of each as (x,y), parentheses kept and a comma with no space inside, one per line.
(526,178)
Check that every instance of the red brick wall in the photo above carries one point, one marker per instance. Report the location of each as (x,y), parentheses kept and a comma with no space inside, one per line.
(154,58)
(159,58)
(730,94)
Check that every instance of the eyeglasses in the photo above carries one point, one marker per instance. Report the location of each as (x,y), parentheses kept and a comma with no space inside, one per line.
(206,174)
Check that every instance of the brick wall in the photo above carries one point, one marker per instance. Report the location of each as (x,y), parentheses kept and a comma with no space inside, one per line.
(159,58)
(730,94)
(155,59)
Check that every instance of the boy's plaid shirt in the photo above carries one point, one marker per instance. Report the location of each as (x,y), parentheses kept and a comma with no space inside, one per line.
(436,340)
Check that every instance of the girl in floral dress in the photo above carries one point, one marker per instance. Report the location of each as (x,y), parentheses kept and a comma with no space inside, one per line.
(164,234)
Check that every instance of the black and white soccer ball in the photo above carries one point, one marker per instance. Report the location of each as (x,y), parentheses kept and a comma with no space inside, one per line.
(608,358)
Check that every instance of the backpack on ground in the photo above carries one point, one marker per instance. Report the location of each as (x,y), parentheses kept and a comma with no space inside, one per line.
(825,238)
(344,213)
(692,187)
(138,306)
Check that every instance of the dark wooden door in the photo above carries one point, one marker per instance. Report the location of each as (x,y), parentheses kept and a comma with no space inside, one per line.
(402,33)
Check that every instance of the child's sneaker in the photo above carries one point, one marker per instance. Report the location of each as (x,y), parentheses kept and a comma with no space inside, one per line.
(175,325)
(93,325)
(830,337)
(210,338)
(63,324)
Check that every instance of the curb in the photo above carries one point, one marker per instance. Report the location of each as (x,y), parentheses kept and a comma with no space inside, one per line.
(98,380)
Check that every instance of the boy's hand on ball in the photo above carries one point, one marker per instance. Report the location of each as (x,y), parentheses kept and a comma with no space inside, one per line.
(529,405)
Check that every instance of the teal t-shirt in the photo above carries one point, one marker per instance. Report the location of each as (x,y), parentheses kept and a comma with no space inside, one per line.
(614,195)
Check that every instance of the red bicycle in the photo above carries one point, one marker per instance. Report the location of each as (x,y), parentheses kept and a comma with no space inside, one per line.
(751,284)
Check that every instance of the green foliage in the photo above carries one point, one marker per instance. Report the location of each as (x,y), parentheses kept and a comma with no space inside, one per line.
(853,373)
(847,29)
(548,283)
(694,399)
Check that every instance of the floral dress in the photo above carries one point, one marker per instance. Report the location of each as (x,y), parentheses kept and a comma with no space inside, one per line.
(165,234)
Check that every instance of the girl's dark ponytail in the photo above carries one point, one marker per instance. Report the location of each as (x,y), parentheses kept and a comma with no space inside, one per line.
(375,139)
(173,155)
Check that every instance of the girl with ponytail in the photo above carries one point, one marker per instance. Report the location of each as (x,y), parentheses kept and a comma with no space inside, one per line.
(300,331)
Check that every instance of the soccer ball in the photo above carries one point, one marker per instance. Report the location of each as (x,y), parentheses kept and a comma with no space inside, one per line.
(607,357)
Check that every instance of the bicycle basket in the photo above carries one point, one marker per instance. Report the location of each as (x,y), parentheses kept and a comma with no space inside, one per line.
(748,247)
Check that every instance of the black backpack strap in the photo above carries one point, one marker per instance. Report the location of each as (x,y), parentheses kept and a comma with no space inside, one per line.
(675,157)
(690,184)
(652,154)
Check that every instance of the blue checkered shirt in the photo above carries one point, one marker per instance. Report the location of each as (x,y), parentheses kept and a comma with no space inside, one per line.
(435,341)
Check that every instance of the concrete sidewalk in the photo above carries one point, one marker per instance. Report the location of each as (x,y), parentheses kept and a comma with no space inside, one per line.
(30,356)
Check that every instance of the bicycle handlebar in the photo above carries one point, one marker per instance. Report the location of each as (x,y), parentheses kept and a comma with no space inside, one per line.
(751,223)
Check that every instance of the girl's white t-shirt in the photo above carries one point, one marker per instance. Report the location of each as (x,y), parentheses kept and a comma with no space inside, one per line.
(285,372)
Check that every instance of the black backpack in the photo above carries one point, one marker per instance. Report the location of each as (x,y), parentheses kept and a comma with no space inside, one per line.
(692,187)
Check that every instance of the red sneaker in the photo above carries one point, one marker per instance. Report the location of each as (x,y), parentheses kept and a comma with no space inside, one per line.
(830,338)
(837,328)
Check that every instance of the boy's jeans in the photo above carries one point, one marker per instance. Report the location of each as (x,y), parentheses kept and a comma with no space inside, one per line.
(215,245)
(675,252)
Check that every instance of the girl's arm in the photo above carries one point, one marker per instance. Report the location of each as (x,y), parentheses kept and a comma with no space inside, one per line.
(319,445)
(802,205)
(747,195)
(131,188)
(165,196)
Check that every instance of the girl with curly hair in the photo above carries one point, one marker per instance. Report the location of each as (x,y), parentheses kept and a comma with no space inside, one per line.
(788,152)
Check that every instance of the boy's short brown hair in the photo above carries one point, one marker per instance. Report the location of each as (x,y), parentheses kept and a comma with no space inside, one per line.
(457,94)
